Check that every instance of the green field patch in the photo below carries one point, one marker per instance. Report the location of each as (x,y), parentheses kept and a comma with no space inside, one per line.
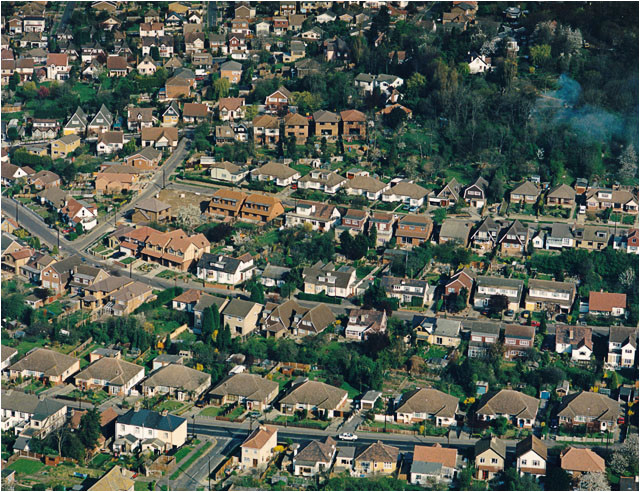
(26,466)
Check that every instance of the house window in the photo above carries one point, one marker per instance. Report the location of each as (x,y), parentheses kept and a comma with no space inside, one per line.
(494,461)
(482,460)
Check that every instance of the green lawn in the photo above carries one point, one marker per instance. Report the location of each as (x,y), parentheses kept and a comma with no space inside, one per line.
(211,411)
(129,259)
(363,271)
(26,466)
(182,453)
(141,486)
(170,405)
(301,168)
(86,92)
(350,390)
(318,424)
(24,346)
(100,460)
(190,461)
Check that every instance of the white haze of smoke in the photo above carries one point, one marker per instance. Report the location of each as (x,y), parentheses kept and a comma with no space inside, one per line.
(586,120)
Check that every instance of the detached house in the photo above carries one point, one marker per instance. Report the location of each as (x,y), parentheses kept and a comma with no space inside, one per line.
(623,343)
(518,339)
(383,222)
(314,457)
(514,239)
(447,196)
(272,171)
(319,179)
(178,381)
(490,456)
(320,216)
(433,464)
(266,130)
(160,137)
(45,364)
(326,125)
(231,108)
(377,458)
(607,304)
(314,396)
(77,124)
(241,316)
(289,318)
(427,404)
(592,238)
(526,193)
(406,192)
(101,122)
(257,449)
(518,408)
(117,66)
(413,230)
(297,126)
(561,196)
(407,290)
(58,67)
(64,146)
(232,71)
(547,295)
(596,410)
(78,212)
(110,142)
(138,118)
(576,461)
(574,340)
(531,457)
(326,279)
(616,200)
(354,125)
(476,194)
(278,102)
(365,322)
(171,115)
(195,112)
(250,390)
(368,186)
(222,269)
(115,376)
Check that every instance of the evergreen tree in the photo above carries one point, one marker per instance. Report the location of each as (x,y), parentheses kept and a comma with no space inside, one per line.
(257,292)
(89,431)
(207,328)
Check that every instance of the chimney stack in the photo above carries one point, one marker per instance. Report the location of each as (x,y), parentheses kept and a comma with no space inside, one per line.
(165,412)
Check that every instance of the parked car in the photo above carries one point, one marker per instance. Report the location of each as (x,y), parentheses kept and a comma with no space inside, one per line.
(201,403)
(525,314)
(347,436)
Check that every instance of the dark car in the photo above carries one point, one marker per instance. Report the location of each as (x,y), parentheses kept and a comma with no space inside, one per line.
(201,403)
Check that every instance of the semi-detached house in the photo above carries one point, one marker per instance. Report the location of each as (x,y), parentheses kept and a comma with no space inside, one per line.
(116,376)
(326,279)
(147,424)
(45,364)
(490,286)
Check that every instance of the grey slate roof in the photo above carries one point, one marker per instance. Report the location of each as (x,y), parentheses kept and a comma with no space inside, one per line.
(151,420)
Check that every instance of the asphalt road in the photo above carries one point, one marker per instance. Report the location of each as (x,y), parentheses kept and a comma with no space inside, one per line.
(197,474)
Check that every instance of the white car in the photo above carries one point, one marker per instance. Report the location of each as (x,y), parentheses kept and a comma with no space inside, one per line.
(347,436)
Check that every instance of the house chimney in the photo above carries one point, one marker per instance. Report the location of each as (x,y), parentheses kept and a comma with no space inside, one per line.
(136,406)
(165,412)
(570,333)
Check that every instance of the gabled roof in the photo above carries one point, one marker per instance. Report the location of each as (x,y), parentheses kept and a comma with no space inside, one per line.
(621,334)
(152,205)
(497,445)
(378,452)
(526,188)
(317,451)
(606,301)
(562,191)
(178,376)
(406,188)
(322,116)
(249,386)
(259,437)
(195,110)
(531,443)
(436,454)
(591,405)
(116,372)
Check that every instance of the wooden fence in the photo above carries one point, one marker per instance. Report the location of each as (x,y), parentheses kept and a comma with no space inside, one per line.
(48,460)
(81,347)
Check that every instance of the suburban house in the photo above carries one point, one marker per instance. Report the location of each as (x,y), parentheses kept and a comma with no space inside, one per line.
(592,238)
(440,331)
(159,137)
(45,364)
(407,290)
(297,126)
(514,239)
(226,203)
(117,478)
(151,210)
(110,142)
(228,172)
(577,461)
(272,171)
(368,186)
(274,276)
(195,113)
(376,459)
(511,288)
(55,276)
(115,376)
(574,340)
(206,301)
(427,404)
(616,199)
(447,196)
(177,87)
(172,249)
(455,231)
(518,339)
(490,456)
(383,222)
(560,236)
(117,66)
(278,101)
(29,412)
(433,464)
(291,318)
(8,353)
(147,424)
(413,230)
(77,124)
(327,125)
(257,449)
(365,322)
(171,115)
(266,130)
(353,221)
(623,343)
(354,125)
(475,195)
(482,336)
(314,396)
(232,71)
(64,146)
(320,216)
(319,179)
(77,212)
(178,381)
(550,296)
(607,304)
(518,408)
(231,108)
(531,457)
(241,316)
(325,278)
(595,410)
(479,63)
(250,390)
(221,269)
(526,193)
(463,279)
(138,118)
(261,208)
(314,457)
(561,196)
(406,192)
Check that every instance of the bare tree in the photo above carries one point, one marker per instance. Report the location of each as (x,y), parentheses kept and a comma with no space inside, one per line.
(628,161)
(625,458)
(189,217)
(627,278)
(594,481)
